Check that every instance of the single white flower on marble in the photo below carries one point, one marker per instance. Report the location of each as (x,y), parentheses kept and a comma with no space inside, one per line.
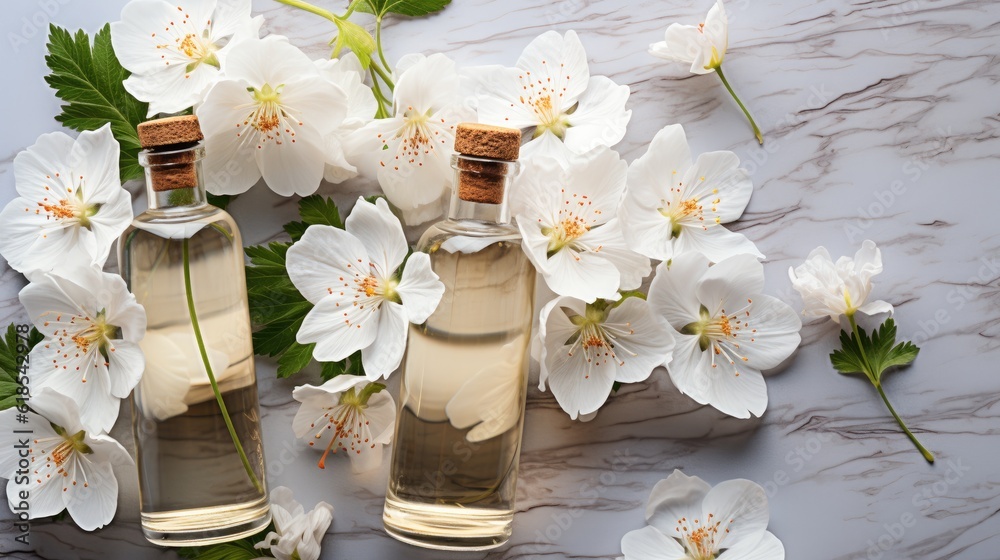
(832,289)
(587,348)
(360,302)
(174,50)
(551,92)
(92,327)
(410,152)
(347,413)
(347,73)
(70,466)
(71,206)
(297,535)
(691,520)
(674,206)
(703,46)
(727,330)
(273,115)
(567,213)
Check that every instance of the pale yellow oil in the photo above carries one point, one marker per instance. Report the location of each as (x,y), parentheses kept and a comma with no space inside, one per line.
(193,484)
(457,441)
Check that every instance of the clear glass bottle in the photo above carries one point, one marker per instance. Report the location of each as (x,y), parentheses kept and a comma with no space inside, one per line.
(196,417)
(461,406)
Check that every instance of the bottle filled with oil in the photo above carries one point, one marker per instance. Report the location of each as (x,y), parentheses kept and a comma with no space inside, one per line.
(196,418)
(461,407)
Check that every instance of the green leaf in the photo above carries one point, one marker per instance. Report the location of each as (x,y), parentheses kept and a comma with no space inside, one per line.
(14,349)
(294,359)
(89,79)
(221,201)
(879,351)
(242,549)
(350,366)
(314,210)
(412,8)
(355,38)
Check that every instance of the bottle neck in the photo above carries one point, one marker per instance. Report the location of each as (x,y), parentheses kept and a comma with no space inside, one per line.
(174,178)
(481,189)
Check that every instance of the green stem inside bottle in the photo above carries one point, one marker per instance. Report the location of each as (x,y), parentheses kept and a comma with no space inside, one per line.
(208,366)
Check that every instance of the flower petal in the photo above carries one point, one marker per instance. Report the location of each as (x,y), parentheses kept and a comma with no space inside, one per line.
(127,364)
(674,498)
(383,356)
(731,284)
(642,341)
(420,289)
(718,183)
(600,118)
(768,548)
(381,233)
(325,262)
(583,275)
(745,504)
(93,505)
(650,544)
(559,62)
(339,329)
(772,333)
(670,292)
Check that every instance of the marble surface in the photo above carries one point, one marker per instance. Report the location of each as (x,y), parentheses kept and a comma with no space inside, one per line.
(881,122)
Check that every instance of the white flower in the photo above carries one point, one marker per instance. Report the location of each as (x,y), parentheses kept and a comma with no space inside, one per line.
(672,207)
(298,535)
(702,46)
(552,92)
(727,331)
(587,348)
(690,520)
(347,73)
(273,116)
(566,211)
(360,303)
(410,152)
(174,50)
(347,413)
(92,327)
(831,289)
(71,205)
(70,467)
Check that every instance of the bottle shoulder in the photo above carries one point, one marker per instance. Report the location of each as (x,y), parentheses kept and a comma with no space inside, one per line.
(467,236)
(185,224)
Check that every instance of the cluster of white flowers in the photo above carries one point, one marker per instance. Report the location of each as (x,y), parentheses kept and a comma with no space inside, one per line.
(58,232)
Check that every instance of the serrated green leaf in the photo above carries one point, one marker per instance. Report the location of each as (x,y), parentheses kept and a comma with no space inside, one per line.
(349,366)
(872,355)
(242,549)
(412,8)
(355,38)
(89,80)
(14,348)
(294,359)
(314,210)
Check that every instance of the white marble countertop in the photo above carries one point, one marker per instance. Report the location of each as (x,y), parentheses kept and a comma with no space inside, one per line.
(881,122)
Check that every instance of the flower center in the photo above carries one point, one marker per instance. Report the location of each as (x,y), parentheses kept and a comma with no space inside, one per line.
(199,49)
(701,540)
(681,211)
(549,118)
(96,331)
(70,209)
(347,419)
(267,116)
(722,334)
(571,228)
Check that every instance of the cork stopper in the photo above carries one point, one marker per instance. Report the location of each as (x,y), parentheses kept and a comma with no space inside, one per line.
(482,180)
(171,164)
(169,131)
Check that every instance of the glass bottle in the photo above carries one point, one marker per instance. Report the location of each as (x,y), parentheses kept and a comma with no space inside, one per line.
(196,418)
(461,407)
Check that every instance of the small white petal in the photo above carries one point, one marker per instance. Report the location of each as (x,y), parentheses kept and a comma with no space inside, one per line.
(383,357)
(745,503)
(650,544)
(420,288)
(676,497)
(381,234)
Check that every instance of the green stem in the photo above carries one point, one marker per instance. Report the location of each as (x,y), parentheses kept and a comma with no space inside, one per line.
(208,366)
(725,82)
(382,74)
(923,451)
(378,42)
(310,8)
(379,97)
(878,385)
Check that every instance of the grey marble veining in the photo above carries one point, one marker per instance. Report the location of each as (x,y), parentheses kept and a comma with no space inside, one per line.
(881,122)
